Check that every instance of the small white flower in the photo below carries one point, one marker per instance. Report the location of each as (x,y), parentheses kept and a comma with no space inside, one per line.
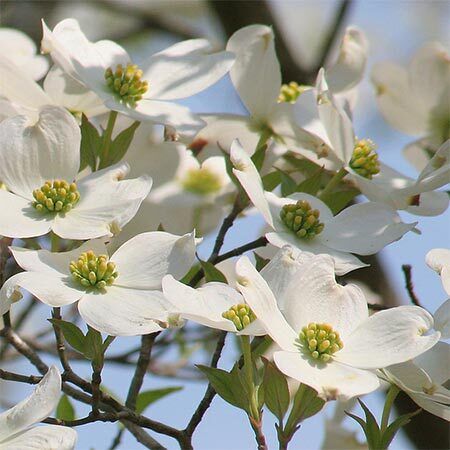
(307,223)
(414,100)
(327,338)
(16,424)
(121,295)
(20,50)
(439,260)
(39,164)
(105,68)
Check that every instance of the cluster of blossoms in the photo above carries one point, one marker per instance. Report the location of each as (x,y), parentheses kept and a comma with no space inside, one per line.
(121,248)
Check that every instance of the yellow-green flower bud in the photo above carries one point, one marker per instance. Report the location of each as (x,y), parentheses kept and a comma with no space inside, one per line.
(93,271)
(241,315)
(126,83)
(302,219)
(365,159)
(201,182)
(289,93)
(320,341)
(56,196)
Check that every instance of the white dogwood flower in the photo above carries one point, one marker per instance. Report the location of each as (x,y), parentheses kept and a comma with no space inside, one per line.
(144,94)
(39,165)
(439,260)
(305,222)
(118,295)
(18,48)
(327,339)
(16,424)
(414,100)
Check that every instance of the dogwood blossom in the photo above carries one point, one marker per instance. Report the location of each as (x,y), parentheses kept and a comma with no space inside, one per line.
(439,260)
(21,50)
(39,164)
(327,338)
(119,295)
(16,424)
(105,68)
(304,221)
(414,100)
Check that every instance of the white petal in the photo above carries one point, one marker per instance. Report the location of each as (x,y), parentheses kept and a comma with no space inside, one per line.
(364,229)
(337,124)
(34,153)
(436,408)
(398,105)
(332,380)
(437,171)
(416,153)
(442,319)
(185,69)
(204,305)
(256,73)
(122,311)
(438,258)
(48,437)
(36,407)
(260,298)
(389,337)
(315,296)
(247,174)
(144,260)
(431,204)
(22,219)
(344,262)
(49,289)
(349,68)
(435,362)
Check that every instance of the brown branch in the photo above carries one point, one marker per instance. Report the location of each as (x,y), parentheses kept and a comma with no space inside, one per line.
(407,272)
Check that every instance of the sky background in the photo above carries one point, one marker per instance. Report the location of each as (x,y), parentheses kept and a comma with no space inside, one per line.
(395,30)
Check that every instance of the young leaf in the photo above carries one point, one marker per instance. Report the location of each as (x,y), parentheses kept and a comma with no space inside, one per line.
(212,273)
(227,385)
(72,334)
(94,346)
(312,184)
(146,398)
(276,391)
(120,144)
(260,262)
(65,409)
(340,199)
(90,144)
(288,185)
(369,426)
(395,426)
(271,180)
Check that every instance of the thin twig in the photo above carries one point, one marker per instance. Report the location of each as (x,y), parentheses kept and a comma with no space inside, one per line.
(407,272)
(11,376)
(60,346)
(257,243)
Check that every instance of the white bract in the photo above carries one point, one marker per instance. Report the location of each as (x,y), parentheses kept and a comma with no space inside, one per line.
(21,50)
(106,69)
(439,260)
(16,424)
(414,100)
(39,163)
(327,339)
(363,229)
(118,295)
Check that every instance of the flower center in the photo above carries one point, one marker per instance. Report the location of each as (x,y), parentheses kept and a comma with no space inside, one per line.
(289,93)
(93,271)
(201,182)
(365,159)
(56,196)
(320,341)
(302,219)
(126,83)
(241,315)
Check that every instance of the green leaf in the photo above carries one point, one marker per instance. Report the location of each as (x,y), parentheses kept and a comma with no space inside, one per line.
(271,181)
(212,273)
(312,184)
(229,168)
(305,166)
(288,185)
(260,262)
(276,391)
(369,426)
(228,385)
(90,144)
(121,143)
(65,409)
(94,347)
(146,398)
(72,334)
(395,426)
(340,199)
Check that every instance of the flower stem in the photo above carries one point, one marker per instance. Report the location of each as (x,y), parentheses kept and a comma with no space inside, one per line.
(332,183)
(390,397)
(248,369)
(107,139)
